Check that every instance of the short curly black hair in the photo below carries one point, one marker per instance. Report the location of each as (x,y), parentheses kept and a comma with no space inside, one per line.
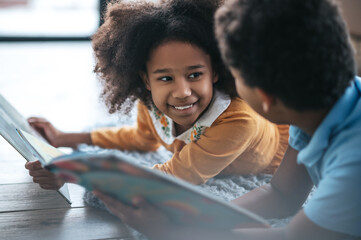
(297,50)
(130,32)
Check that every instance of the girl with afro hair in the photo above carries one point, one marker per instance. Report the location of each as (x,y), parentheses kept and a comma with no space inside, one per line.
(165,57)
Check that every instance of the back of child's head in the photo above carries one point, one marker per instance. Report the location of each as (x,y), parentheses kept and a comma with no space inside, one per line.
(295,50)
(132,30)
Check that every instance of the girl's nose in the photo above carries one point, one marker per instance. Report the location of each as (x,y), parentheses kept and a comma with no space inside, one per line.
(182,89)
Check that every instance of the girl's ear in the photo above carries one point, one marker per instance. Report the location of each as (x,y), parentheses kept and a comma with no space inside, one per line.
(144,77)
(267,100)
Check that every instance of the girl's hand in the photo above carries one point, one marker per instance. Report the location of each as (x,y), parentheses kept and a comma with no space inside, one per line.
(142,216)
(45,178)
(47,131)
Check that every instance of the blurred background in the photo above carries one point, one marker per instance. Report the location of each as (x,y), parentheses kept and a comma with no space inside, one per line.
(351,11)
(46,60)
(48,18)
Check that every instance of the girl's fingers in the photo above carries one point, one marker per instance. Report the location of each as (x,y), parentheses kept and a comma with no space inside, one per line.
(40,126)
(33,165)
(45,180)
(37,120)
(47,183)
(41,173)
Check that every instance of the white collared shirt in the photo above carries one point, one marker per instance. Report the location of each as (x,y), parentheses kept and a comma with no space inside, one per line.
(165,125)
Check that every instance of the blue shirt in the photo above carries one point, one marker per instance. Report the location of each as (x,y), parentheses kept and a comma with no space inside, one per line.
(332,156)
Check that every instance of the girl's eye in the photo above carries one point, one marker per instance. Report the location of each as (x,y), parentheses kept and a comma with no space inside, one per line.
(165,79)
(195,75)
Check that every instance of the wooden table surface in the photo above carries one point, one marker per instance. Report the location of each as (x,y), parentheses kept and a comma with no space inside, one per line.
(68,96)
(29,212)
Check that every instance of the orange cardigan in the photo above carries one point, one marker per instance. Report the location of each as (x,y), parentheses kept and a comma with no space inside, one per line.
(239,141)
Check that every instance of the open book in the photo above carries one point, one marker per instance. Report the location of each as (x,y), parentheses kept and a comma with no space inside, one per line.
(118,175)
(10,121)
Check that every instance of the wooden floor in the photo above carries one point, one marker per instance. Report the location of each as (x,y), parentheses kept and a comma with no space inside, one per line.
(55,81)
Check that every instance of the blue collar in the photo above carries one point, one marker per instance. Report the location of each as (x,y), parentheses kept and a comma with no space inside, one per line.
(331,125)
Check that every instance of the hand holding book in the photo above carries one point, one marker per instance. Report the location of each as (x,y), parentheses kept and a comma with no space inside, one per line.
(10,121)
(117,175)
(45,179)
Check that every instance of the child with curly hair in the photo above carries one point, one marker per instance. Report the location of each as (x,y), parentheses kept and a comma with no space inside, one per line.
(166,56)
(293,63)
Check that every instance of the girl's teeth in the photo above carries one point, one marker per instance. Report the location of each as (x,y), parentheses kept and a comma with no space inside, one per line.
(183,107)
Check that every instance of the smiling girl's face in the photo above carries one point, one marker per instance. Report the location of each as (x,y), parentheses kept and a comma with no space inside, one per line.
(180,78)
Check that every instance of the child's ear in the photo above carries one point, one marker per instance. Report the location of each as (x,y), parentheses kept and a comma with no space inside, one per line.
(267,100)
(144,77)
(215,77)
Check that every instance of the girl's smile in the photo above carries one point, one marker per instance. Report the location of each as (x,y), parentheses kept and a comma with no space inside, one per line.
(180,78)
(184,109)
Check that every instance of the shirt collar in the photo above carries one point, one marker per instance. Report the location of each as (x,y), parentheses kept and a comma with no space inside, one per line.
(164,125)
(333,122)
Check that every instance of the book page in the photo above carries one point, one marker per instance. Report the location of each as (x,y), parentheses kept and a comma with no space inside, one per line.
(15,117)
(46,152)
(43,149)
(10,121)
